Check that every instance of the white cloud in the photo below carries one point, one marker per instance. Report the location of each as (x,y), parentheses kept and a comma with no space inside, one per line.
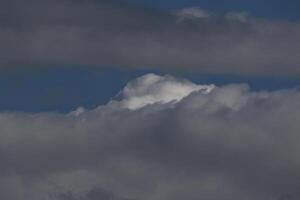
(192,13)
(179,140)
(150,89)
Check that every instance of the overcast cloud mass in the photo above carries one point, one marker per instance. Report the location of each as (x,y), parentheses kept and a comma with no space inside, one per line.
(159,138)
(102,32)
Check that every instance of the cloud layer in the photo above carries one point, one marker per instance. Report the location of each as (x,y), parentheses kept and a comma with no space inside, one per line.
(178,141)
(114,33)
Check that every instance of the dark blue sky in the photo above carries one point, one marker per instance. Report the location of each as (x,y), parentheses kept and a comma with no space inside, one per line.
(65,89)
(274,9)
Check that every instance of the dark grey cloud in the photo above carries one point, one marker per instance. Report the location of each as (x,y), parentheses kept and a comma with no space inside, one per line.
(94,194)
(162,138)
(114,33)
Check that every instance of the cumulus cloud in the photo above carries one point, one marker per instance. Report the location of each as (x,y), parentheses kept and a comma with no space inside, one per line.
(114,33)
(151,89)
(160,138)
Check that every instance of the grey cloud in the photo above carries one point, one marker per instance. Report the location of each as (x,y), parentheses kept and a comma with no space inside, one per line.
(225,143)
(93,194)
(106,33)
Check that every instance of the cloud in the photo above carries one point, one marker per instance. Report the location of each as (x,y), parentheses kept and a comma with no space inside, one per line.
(151,89)
(114,33)
(94,194)
(192,13)
(179,141)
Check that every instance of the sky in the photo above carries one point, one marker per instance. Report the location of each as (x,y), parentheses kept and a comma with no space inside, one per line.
(149,100)
(45,90)
(276,9)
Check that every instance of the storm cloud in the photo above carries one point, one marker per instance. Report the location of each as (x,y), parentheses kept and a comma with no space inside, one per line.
(195,142)
(115,33)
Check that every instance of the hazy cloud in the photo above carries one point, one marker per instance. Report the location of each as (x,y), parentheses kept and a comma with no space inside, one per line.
(223,143)
(101,33)
(192,13)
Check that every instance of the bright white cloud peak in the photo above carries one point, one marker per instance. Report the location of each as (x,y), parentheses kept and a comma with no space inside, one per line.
(162,139)
(150,89)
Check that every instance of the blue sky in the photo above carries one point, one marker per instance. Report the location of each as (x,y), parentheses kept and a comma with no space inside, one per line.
(65,89)
(274,9)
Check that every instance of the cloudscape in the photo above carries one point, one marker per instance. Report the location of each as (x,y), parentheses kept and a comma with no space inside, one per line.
(140,100)
(162,138)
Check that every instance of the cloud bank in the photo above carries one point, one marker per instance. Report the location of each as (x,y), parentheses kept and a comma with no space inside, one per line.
(114,33)
(160,138)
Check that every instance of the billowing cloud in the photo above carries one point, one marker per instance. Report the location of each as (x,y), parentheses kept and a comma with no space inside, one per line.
(114,33)
(160,138)
(151,89)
